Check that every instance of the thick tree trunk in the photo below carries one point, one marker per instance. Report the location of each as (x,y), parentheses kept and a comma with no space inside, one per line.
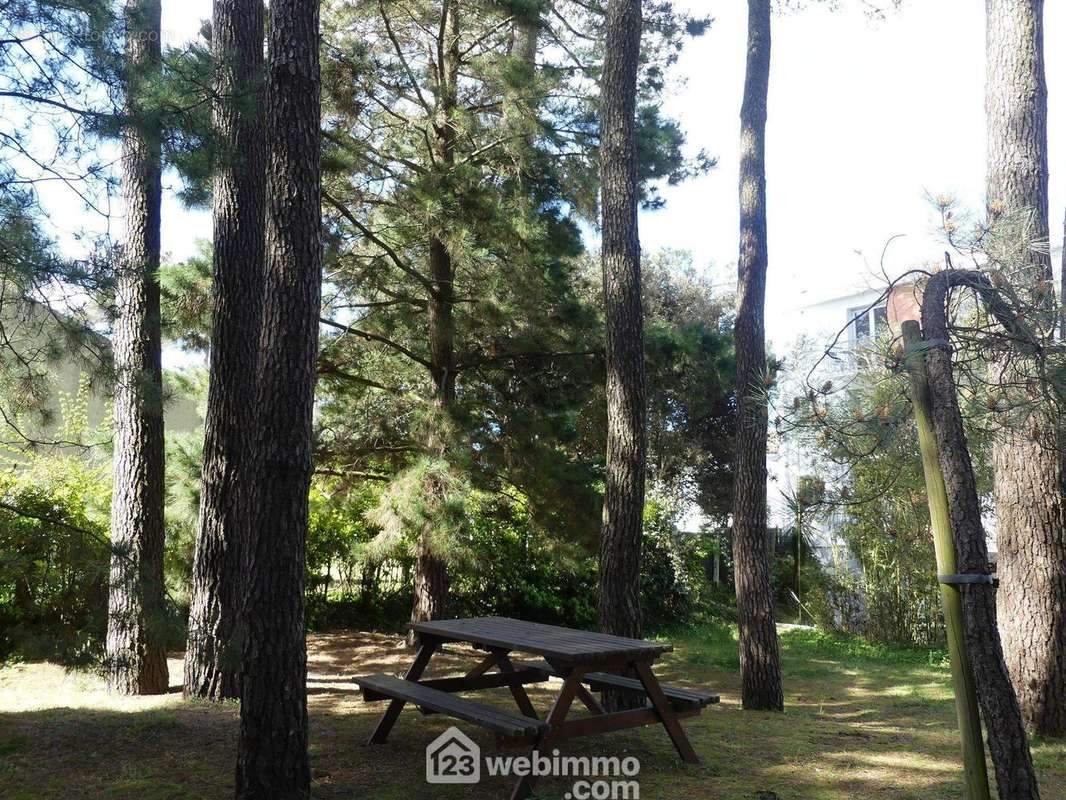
(136,657)
(272,757)
(431,588)
(1030,479)
(760,670)
(623,502)
(1004,726)
(212,656)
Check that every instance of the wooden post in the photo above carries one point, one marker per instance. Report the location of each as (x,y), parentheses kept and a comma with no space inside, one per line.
(973,750)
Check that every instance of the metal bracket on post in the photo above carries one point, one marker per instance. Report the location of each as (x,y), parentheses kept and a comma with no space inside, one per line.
(969,578)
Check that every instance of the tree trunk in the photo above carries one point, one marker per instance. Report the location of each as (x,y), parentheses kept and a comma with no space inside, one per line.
(431,574)
(431,588)
(272,757)
(623,502)
(212,656)
(1030,479)
(1004,726)
(136,657)
(760,670)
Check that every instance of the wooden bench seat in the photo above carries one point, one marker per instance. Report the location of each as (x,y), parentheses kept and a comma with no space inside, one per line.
(503,723)
(679,698)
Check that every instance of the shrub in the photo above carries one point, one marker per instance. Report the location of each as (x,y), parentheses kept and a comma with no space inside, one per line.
(54,559)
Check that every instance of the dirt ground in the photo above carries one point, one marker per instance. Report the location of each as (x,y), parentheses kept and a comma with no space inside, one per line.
(855,727)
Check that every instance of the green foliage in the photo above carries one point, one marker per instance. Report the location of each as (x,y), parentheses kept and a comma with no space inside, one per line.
(54,557)
(186,299)
(672,575)
(521,572)
(425,506)
(883,580)
(690,371)
(338,536)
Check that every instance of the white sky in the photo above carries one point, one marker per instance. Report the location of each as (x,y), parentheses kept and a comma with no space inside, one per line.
(865,119)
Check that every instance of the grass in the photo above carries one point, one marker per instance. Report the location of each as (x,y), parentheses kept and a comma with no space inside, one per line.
(861,721)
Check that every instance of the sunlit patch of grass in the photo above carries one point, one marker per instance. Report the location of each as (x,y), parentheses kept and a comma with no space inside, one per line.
(860,721)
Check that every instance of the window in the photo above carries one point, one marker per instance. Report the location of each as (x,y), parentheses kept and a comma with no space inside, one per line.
(867,323)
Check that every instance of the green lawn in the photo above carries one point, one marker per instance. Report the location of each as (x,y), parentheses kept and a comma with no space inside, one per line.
(862,722)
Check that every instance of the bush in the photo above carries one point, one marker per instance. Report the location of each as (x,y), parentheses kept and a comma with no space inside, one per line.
(54,560)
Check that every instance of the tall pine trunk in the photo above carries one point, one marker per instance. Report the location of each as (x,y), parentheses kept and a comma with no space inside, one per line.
(623,502)
(272,757)
(212,656)
(759,667)
(135,651)
(1030,480)
(431,573)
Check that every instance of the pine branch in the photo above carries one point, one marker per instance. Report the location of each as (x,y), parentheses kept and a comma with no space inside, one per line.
(392,254)
(373,337)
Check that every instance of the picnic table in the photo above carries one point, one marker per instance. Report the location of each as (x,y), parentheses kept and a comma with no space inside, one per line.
(585,661)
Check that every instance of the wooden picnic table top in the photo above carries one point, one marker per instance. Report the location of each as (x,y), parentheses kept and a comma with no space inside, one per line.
(549,641)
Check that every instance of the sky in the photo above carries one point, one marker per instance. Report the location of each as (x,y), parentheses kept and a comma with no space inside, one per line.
(866,121)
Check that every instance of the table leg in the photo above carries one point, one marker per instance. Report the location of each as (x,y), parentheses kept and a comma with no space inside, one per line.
(589,699)
(483,666)
(556,717)
(518,691)
(666,713)
(388,719)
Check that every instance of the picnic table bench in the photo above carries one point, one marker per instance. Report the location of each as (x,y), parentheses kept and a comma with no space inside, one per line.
(584,660)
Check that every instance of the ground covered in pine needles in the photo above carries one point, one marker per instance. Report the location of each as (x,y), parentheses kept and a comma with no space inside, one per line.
(862,722)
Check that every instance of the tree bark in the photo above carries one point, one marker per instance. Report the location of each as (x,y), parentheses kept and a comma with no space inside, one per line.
(1004,726)
(135,648)
(212,656)
(759,666)
(272,757)
(431,588)
(623,502)
(1030,475)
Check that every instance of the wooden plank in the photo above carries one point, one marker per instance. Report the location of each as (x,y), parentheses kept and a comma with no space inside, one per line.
(549,641)
(616,721)
(465,683)
(490,717)
(678,696)
(491,680)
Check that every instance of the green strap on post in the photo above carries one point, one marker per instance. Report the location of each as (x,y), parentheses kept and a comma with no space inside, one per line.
(973,749)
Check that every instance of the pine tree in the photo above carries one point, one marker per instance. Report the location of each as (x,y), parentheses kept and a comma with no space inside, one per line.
(136,658)
(760,670)
(623,502)
(1030,474)
(472,362)
(212,656)
(272,756)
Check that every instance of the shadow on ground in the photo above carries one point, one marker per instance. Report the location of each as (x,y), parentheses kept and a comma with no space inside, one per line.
(853,729)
